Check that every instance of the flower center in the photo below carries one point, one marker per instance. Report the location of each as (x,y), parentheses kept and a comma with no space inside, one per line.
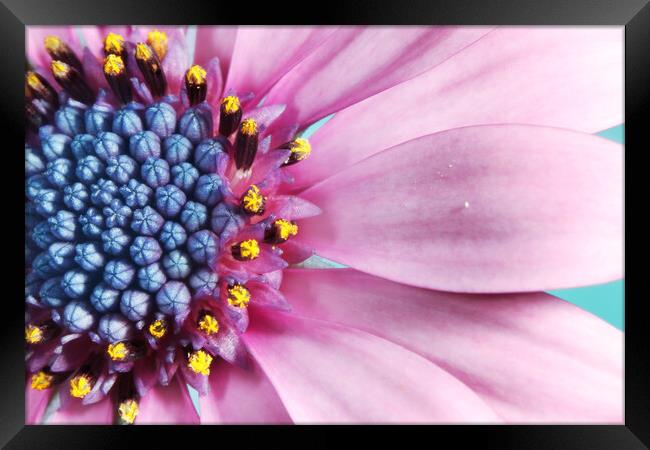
(135,213)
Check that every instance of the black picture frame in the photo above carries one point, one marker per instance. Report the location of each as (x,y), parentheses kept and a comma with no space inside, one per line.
(16,14)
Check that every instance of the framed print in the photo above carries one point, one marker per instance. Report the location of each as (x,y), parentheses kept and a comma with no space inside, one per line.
(406,215)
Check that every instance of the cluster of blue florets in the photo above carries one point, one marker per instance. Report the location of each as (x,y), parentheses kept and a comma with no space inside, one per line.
(124,213)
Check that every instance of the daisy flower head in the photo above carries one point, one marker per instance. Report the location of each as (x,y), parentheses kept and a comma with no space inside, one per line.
(173,186)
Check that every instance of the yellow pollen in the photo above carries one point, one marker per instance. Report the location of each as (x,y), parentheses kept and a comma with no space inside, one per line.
(253,200)
(300,149)
(286,228)
(80,386)
(249,249)
(196,75)
(128,411)
(158,329)
(53,43)
(113,65)
(230,104)
(238,296)
(142,51)
(60,69)
(158,42)
(33,81)
(249,127)
(208,324)
(41,381)
(33,334)
(117,351)
(199,362)
(114,43)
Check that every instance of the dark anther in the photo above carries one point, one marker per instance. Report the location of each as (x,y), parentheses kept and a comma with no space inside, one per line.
(195,84)
(230,115)
(115,73)
(72,81)
(40,88)
(59,51)
(151,69)
(246,144)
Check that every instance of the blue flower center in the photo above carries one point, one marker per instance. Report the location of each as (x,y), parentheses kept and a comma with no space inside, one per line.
(124,209)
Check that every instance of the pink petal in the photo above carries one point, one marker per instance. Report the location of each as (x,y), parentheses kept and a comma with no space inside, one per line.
(357,62)
(478,209)
(292,208)
(168,405)
(266,296)
(35,403)
(176,62)
(531,357)
(295,252)
(562,77)
(215,41)
(75,413)
(241,396)
(323,372)
(263,54)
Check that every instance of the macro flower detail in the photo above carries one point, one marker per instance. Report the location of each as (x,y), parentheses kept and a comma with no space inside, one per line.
(171,192)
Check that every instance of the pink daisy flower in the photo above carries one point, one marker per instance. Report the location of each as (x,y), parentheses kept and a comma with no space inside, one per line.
(172,196)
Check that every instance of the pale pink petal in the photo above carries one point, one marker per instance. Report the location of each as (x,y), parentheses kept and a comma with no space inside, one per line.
(479,209)
(531,357)
(34,41)
(176,62)
(215,41)
(93,38)
(325,373)
(75,413)
(241,396)
(296,252)
(35,403)
(357,62)
(170,405)
(564,77)
(263,54)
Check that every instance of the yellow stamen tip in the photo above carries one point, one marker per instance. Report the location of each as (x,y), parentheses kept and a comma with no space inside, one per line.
(33,334)
(238,296)
(113,65)
(230,104)
(196,75)
(208,324)
(114,43)
(300,149)
(286,228)
(199,362)
(60,69)
(253,200)
(128,411)
(117,351)
(80,386)
(53,43)
(249,127)
(41,381)
(249,249)
(142,51)
(33,81)
(157,329)
(158,42)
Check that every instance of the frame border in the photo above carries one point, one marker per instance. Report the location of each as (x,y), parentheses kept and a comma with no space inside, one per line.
(633,14)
